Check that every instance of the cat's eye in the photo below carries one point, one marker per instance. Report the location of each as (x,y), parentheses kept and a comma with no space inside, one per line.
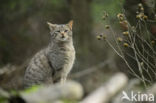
(57,31)
(66,31)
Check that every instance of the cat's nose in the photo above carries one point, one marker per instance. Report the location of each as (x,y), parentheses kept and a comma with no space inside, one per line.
(63,35)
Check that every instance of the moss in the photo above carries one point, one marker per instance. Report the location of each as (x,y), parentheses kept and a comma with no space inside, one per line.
(3,100)
(31,89)
(70,101)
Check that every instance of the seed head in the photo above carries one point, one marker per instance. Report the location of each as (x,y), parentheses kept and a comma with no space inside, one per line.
(125,45)
(119,39)
(140,16)
(120,15)
(140,5)
(145,17)
(107,26)
(142,9)
(104,37)
(137,12)
(125,22)
(126,33)
(98,37)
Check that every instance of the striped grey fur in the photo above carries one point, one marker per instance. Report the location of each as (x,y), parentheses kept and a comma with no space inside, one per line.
(53,63)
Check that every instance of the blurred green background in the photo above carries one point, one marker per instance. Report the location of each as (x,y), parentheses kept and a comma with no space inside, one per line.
(23,28)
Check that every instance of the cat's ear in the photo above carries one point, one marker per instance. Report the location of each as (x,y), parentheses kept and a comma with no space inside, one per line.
(70,24)
(51,26)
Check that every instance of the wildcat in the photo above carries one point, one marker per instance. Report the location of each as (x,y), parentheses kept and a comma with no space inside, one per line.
(53,63)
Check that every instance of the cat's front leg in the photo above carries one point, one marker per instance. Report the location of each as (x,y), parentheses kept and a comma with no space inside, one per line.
(63,80)
(63,77)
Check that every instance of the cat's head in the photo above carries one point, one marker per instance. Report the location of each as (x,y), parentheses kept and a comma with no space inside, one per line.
(61,32)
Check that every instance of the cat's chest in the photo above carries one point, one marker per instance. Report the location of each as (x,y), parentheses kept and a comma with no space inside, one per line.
(67,53)
(61,57)
(67,56)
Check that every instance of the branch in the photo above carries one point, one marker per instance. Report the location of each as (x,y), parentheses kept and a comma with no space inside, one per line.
(69,90)
(108,90)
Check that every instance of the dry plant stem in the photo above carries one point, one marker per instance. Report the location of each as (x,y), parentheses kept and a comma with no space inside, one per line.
(142,66)
(116,40)
(141,79)
(142,56)
(138,63)
(151,79)
(147,31)
(141,32)
(145,51)
(138,53)
(123,59)
(144,41)
(139,66)
(135,39)
(131,40)
(114,49)
(130,36)
(137,60)
(144,59)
